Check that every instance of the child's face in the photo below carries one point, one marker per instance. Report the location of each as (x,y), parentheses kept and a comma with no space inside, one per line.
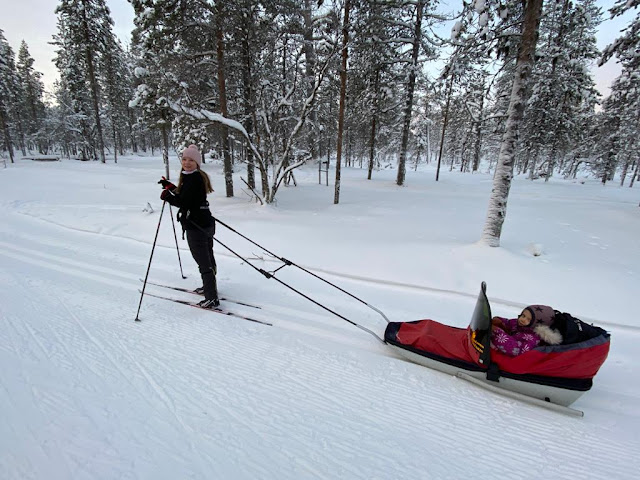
(524,320)
(188,164)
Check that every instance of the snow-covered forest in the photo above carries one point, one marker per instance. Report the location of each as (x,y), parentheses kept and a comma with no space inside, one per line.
(265,87)
(362,141)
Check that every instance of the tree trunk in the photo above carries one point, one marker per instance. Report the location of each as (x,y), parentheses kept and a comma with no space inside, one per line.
(636,172)
(478,135)
(552,160)
(410,87)
(607,167)
(444,124)
(310,61)
(343,93)
(374,118)
(248,97)
(21,137)
(623,174)
(7,135)
(115,139)
(497,209)
(93,82)
(534,162)
(224,130)
(165,151)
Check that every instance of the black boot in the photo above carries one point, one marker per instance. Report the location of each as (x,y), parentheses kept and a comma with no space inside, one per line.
(210,287)
(209,304)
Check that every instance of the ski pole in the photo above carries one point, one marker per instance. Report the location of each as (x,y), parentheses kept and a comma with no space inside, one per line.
(150,258)
(173,224)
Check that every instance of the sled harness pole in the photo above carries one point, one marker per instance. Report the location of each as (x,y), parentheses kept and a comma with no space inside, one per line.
(286,262)
(173,224)
(149,266)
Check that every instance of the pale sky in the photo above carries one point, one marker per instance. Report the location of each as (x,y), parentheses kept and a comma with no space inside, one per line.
(35,22)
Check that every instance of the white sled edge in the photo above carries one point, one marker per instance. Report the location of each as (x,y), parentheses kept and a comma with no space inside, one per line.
(521,397)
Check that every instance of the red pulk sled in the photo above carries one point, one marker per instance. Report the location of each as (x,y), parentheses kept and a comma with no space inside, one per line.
(547,375)
(550,376)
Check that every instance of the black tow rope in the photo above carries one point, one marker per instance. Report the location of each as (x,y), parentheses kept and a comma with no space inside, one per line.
(286,263)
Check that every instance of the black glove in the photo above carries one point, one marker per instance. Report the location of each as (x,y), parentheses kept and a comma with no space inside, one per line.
(165,194)
(166,184)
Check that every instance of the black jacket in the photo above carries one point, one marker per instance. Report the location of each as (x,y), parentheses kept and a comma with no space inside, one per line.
(191,199)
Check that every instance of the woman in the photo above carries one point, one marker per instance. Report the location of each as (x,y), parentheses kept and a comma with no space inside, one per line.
(190,196)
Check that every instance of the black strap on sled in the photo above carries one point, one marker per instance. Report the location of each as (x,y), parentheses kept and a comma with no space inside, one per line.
(286,263)
(493,372)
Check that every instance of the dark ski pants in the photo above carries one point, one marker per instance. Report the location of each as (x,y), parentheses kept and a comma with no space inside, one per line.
(201,245)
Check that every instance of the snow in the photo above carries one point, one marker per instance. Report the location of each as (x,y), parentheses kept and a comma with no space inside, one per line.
(479,6)
(87,393)
(455,30)
(140,72)
(483,20)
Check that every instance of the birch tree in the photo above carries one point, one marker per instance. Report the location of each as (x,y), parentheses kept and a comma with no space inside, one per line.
(503,176)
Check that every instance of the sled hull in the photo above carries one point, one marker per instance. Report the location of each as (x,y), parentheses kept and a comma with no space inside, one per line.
(548,393)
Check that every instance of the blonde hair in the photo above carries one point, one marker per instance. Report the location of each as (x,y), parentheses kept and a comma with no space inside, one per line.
(207,181)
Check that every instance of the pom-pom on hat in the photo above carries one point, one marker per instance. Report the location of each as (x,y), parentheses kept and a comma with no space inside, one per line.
(193,153)
(541,314)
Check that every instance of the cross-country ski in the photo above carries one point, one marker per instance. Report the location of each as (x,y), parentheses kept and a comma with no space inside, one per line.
(218,310)
(186,290)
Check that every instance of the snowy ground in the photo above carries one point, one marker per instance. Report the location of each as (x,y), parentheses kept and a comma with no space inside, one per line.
(87,393)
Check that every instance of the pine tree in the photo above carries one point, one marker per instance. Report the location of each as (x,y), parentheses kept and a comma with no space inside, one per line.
(158,47)
(376,73)
(9,93)
(31,104)
(220,15)
(411,82)
(343,93)
(563,91)
(620,118)
(117,89)
(85,31)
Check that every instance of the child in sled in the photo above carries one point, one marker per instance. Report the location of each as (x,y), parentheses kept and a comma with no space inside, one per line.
(519,335)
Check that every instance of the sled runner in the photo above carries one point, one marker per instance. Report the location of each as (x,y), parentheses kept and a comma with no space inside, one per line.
(558,374)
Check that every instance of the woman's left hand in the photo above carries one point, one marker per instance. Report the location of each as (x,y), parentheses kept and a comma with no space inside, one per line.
(165,194)
(166,184)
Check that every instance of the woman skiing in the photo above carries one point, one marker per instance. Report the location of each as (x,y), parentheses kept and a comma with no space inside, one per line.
(190,196)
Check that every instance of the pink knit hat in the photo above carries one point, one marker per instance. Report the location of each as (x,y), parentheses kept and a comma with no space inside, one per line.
(193,153)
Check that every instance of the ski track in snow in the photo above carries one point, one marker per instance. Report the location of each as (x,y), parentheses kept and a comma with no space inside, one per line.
(444,293)
(81,424)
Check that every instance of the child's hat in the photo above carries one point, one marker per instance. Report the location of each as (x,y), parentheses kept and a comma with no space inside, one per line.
(541,314)
(193,153)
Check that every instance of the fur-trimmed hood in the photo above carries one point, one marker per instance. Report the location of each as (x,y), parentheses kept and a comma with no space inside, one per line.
(547,334)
